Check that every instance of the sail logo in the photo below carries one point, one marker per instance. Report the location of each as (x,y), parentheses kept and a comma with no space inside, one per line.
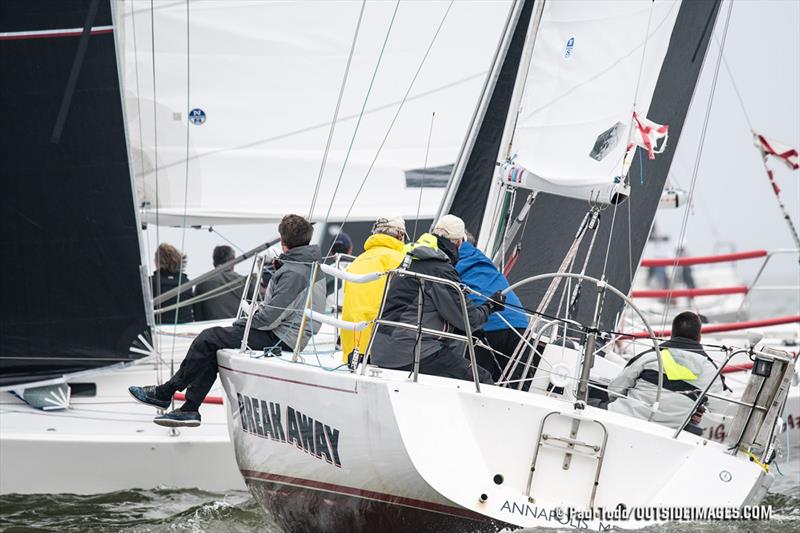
(269,420)
(197,116)
(568,49)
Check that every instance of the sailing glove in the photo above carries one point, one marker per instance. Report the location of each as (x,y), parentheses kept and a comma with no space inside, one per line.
(496,302)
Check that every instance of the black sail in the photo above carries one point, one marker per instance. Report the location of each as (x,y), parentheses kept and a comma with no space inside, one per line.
(469,200)
(72,296)
(553,220)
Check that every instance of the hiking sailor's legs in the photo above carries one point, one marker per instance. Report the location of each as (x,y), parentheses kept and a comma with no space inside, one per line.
(198,371)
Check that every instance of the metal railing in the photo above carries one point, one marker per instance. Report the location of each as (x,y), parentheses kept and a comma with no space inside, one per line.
(423,278)
(588,351)
(752,285)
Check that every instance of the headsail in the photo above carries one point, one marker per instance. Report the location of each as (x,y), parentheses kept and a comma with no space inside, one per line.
(70,283)
(562,164)
(587,94)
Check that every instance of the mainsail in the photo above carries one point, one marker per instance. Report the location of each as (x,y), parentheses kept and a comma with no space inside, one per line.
(263,79)
(572,134)
(71,283)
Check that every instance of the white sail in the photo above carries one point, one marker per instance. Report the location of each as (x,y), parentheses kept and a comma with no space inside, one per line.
(594,63)
(266,76)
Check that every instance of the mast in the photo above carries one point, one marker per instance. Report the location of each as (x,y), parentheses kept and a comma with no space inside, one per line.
(469,186)
(71,286)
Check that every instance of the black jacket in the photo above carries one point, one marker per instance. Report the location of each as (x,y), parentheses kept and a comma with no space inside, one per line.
(394,347)
(226,304)
(165,281)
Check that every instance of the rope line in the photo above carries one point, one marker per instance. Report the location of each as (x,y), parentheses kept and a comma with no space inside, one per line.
(361,114)
(336,111)
(391,124)
(424,172)
(685,221)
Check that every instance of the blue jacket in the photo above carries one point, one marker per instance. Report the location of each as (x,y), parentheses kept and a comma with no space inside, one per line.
(479,273)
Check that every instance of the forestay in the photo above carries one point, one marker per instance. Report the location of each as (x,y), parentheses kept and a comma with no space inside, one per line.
(594,64)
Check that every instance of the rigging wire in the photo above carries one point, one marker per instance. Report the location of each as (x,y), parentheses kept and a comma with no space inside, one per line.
(424,172)
(336,111)
(185,182)
(697,160)
(647,36)
(394,119)
(156,275)
(211,229)
(361,114)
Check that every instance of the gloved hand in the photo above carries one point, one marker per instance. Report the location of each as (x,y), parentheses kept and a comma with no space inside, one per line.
(496,302)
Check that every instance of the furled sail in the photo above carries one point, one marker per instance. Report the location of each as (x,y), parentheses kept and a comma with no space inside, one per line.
(263,79)
(592,73)
(72,295)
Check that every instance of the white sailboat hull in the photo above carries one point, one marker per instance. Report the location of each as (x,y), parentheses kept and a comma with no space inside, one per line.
(108,442)
(436,448)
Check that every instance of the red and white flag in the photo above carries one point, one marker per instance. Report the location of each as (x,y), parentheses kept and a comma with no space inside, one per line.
(786,154)
(647,134)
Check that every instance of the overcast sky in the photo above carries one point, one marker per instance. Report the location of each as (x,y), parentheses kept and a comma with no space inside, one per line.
(733,203)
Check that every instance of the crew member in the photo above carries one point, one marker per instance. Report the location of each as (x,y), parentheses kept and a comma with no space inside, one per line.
(441,310)
(687,372)
(502,330)
(227,285)
(171,273)
(383,251)
(275,324)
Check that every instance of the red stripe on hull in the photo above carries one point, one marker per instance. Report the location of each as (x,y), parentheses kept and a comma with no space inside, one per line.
(301,505)
(275,378)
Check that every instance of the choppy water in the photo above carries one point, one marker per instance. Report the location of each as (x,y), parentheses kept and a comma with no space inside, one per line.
(198,512)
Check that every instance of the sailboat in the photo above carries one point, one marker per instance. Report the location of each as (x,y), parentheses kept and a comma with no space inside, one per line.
(77,314)
(574,89)
(78,325)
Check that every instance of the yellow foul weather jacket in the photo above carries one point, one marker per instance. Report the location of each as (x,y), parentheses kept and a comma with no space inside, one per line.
(362,300)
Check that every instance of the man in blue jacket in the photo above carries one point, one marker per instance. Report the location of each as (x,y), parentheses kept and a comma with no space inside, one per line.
(479,273)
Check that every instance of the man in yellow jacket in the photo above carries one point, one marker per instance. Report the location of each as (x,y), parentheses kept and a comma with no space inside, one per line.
(383,251)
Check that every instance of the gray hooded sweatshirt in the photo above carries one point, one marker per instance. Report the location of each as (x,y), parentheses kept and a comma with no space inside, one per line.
(286,296)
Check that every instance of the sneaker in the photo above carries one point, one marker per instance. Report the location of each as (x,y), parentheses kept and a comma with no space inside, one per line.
(147,395)
(178,418)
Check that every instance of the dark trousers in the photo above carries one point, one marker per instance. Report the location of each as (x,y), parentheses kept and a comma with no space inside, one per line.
(199,368)
(449,364)
(505,341)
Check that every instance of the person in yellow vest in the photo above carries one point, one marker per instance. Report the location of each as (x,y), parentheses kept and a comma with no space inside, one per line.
(687,372)
(383,251)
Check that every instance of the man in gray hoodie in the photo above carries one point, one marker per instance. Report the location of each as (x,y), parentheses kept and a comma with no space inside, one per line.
(275,324)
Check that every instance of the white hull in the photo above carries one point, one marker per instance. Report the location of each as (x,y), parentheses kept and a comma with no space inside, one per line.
(435,447)
(108,442)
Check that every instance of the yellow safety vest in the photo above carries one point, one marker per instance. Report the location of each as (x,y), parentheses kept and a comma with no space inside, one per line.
(674,370)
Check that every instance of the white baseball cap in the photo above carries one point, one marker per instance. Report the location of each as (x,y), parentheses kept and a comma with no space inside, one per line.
(450,227)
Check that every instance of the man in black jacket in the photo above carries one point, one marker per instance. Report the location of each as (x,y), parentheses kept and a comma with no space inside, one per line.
(433,255)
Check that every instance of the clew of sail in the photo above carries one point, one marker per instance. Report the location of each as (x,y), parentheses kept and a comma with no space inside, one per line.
(592,74)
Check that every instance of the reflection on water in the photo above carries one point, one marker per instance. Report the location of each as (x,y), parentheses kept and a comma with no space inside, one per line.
(197,511)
